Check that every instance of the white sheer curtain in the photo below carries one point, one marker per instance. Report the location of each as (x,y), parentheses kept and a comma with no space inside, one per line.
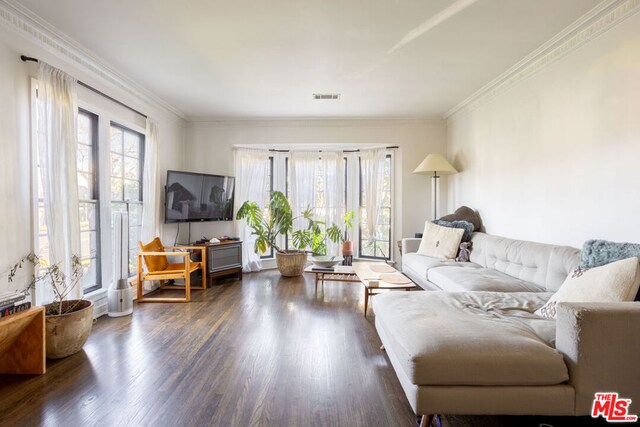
(57,109)
(372,170)
(303,169)
(251,169)
(333,191)
(151,189)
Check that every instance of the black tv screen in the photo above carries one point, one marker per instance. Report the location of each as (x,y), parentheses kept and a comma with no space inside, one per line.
(198,197)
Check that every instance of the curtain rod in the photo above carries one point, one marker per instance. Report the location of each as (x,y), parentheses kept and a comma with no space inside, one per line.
(320,151)
(28,58)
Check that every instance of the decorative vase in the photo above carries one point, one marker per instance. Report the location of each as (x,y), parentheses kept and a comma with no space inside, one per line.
(67,333)
(291,263)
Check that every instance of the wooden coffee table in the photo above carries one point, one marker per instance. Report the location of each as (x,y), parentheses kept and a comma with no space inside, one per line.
(367,276)
(340,273)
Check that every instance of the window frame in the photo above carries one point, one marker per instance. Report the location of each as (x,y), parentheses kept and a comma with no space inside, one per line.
(390,240)
(38,200)
(95,160)
(132,269)
(269,254)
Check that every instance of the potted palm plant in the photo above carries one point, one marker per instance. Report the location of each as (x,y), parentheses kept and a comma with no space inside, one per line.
(68,322)
(279,221)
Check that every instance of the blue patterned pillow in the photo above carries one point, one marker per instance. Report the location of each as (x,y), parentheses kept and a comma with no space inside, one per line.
(465,225)
(600,252)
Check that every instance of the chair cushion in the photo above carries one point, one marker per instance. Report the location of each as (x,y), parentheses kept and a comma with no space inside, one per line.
(478,279)
(470,338)
(154,262)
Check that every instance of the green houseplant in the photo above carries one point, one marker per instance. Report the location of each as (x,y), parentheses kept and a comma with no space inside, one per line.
(335,233)
(277,221)
(68,322)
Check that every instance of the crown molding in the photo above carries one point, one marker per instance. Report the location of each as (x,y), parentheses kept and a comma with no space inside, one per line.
(27,24)
(313,121)
(598,20)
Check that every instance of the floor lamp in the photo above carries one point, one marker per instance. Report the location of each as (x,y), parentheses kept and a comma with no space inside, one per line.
(435,165)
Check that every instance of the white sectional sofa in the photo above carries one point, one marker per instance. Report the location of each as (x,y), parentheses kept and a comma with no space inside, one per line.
(496,264)
(473,344)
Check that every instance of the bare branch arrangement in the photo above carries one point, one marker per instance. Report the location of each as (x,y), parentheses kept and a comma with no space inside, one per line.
(53,276)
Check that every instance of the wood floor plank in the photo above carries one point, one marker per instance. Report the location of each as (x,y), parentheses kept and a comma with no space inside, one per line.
(266,351)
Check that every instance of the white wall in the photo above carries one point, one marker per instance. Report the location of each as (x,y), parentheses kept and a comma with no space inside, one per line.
(209,148)
(556,158)
(15,164)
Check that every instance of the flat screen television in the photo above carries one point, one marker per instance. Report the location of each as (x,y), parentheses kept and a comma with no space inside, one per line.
(198,197)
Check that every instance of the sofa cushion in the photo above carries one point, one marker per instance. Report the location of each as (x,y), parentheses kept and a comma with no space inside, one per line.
(470,338)
(478,279)
(440,242)
(564,260)
(528,261)
(615,282)
(416,266)
(465,225)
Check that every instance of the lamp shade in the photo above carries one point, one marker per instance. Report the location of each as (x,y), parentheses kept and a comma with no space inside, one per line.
(435,163)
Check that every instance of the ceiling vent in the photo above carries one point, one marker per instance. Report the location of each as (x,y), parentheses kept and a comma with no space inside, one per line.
(326,96)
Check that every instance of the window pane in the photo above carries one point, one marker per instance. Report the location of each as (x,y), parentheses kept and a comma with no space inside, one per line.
(87,216)
(135,214)
(134,237)
(367,250)
(131,168)
(133,261)
(84,158)
(117,189)
(90,278)
(88,244)
(118,207)
(116,166)
(116,139)
(131,190)
(85,186)
(131,144)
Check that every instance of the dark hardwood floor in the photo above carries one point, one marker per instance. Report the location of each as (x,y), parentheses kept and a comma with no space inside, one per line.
(264,351)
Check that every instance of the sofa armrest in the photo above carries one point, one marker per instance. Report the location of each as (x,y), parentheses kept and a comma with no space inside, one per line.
(410,244)
(601,347)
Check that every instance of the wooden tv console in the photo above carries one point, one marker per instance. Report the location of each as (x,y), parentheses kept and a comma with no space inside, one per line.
(223,259)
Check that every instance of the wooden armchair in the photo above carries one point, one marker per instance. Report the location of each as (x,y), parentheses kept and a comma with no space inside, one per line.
(159,268)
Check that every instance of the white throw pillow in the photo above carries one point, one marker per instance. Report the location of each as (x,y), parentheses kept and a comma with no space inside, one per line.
(440,242)
(614,282)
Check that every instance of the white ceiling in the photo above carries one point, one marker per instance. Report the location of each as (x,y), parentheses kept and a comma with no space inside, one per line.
(258,58)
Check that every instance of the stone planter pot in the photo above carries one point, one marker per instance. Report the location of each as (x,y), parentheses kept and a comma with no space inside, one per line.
(67,333)
(291,263)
